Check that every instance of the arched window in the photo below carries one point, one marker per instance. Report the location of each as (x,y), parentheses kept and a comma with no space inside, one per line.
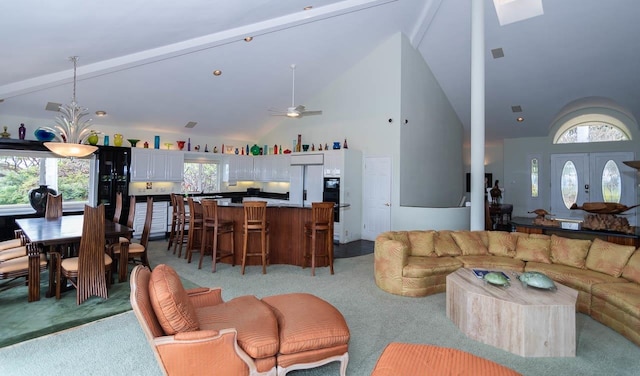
(591,128)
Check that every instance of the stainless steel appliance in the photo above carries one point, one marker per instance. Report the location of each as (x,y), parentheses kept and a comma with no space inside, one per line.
(331,193)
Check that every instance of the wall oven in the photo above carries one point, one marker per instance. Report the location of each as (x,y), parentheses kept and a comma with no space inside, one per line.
(331,193)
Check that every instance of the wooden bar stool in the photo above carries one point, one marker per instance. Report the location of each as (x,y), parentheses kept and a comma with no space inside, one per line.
(174,221)
(194,237)
(320,228)
(216,227)
(182,220)
(255,222)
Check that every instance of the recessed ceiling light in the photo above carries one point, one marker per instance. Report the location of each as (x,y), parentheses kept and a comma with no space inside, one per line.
(217,72)
(520,119)
(308,7)
(248,39)
(101,113)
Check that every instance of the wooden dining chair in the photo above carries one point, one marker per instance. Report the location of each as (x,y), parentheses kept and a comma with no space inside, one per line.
(194,237)
(135,252)
(214,228)
(255,222)
(182,220)
(130,218)
(118,210)
(13,248)
(90,271)
(174,221)
(319,229)
(54,206)
(17,268)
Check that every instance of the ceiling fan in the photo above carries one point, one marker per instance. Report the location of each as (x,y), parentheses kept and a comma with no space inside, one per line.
(299,110)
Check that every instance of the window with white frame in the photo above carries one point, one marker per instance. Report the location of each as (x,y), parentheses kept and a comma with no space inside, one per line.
(201,176)
(21,171)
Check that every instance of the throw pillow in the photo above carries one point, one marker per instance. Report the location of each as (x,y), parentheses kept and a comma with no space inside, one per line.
(422,243)
(570,252)
(631,271)
(444,245)
(469,243)
(609,258)
(534,249)
(502,243)
(170,301)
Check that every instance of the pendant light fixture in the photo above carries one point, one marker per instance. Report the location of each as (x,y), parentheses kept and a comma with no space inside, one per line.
(70,130)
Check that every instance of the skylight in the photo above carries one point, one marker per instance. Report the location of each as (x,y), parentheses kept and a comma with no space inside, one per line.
(510,11)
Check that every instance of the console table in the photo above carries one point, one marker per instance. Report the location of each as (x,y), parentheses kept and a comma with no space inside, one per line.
(577,232)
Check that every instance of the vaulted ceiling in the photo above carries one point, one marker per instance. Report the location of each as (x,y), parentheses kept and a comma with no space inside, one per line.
(149,64)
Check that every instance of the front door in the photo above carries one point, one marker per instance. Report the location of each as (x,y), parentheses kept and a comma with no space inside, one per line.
(591,177)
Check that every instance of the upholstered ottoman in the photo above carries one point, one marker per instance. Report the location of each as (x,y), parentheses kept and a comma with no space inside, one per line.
(405,359)
(312,332)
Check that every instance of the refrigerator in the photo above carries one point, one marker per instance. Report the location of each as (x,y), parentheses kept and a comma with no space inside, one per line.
(306,184)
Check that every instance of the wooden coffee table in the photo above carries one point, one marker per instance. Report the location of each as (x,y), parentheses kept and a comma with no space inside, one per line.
(525,321)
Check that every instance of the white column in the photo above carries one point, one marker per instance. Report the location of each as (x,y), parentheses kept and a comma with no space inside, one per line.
(477,115)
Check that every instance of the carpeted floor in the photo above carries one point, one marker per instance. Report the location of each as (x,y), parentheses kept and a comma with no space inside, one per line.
(375,318)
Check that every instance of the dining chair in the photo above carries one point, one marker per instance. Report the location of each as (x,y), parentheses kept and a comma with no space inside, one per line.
(319,229)
(118,210)
(255,222)
(174,219)
(90,271)
(18,267)
(130,218)
(215,227)
(13,248)
(182,220)
(54,206)
(194,237)
(135,252)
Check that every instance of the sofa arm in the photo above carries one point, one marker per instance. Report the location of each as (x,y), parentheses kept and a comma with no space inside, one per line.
(391,252)
(204,352)
(203,296)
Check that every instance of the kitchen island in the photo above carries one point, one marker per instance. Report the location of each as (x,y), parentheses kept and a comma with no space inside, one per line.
(286,234)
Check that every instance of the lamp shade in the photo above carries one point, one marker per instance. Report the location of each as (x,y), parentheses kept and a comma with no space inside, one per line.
(70,150)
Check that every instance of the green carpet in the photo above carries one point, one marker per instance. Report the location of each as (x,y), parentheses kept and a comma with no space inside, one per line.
(22,320)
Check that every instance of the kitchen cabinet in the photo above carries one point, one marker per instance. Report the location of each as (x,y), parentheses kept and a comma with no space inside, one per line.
(333,161)
(271,168)
(113,177)
(240,168)
(347,165)
(158,223)
(156,165)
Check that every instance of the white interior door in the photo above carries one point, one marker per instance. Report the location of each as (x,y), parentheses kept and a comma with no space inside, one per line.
(376,211)
(595,177)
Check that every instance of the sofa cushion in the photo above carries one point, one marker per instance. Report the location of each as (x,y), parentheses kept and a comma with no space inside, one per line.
(631,271)
(502,243)
(579,279)
(444,245)
(170,301)
(491,263)
(570,252)
(420,267)
(253,319)
(608,258)
(470,243)
(625,296)
(422,243)
(533,248)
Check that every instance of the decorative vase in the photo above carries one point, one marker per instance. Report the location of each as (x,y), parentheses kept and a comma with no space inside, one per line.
(38,198)
(22,131)
(117,139)
(93,138)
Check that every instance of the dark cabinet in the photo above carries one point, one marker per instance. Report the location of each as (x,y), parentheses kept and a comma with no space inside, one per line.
(113,177)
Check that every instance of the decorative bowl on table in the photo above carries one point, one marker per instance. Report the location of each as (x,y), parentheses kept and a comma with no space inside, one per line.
(133,142)
(43,135)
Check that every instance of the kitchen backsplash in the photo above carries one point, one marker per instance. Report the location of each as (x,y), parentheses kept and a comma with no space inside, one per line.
(165,188)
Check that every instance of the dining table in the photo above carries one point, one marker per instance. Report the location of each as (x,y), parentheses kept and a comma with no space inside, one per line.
(65,230)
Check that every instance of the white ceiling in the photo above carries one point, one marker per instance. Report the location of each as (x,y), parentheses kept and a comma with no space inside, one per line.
(149,64)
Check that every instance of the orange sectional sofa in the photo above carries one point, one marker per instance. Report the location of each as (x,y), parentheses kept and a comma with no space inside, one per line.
(606,275)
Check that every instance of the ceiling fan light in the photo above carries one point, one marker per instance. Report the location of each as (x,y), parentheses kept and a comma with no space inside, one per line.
(293,113)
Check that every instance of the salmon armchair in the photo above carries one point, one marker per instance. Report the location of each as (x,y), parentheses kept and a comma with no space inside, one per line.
(195,352)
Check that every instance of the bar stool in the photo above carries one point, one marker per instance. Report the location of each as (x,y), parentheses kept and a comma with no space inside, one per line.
(321,225)
(182,220)
(174,221)
(216,227)
(194,238)
(255,222)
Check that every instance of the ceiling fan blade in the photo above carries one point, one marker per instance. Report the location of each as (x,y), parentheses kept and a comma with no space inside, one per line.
(308,113)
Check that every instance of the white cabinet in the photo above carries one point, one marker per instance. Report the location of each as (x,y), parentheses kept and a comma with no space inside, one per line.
(271,168)
(347,165)
(156,165)
(333,161)
(158,222)
(240,168)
